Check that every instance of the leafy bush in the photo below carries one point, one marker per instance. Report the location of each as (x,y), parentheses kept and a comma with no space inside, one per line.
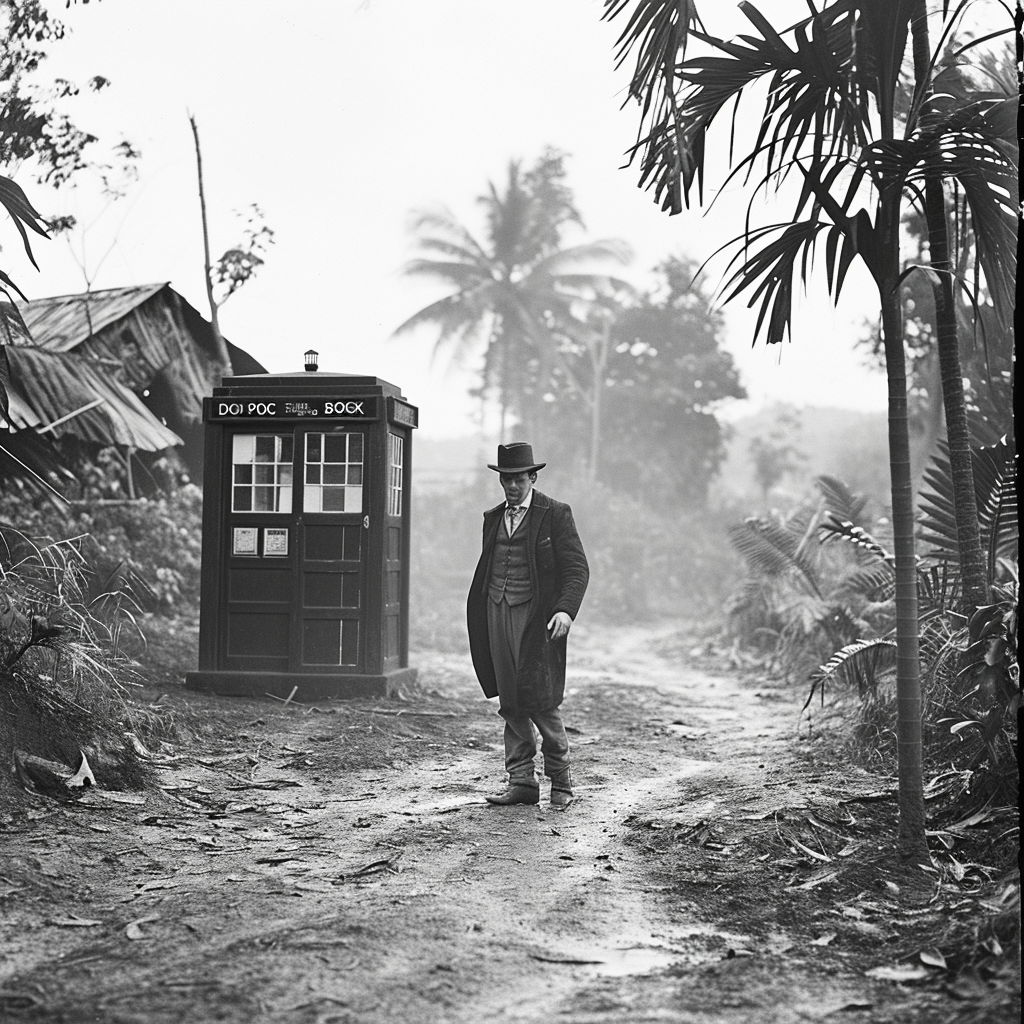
(150,547)
(803,598)
(64,684)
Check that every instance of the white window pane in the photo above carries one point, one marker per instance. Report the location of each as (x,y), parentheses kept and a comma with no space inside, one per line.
(311,498)
(243,446)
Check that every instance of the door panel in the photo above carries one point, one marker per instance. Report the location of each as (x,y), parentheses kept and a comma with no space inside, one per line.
(332,550)
(259,589)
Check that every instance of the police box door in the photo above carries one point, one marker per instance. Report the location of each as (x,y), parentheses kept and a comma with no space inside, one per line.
(297,568)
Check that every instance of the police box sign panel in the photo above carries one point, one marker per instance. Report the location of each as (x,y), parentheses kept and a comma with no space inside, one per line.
(276,408)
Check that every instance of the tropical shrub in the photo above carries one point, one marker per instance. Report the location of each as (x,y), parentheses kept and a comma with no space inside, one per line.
(150,546)
(64,682)
(802,598)
(971,677)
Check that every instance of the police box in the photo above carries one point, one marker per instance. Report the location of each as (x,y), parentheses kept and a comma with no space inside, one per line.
(305,559)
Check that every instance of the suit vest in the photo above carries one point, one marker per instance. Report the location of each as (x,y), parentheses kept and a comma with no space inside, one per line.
(510,567)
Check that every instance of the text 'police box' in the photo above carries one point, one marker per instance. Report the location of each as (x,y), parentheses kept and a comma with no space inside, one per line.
(305,571)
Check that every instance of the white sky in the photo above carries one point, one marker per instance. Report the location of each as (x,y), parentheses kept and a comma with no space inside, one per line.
(340,116)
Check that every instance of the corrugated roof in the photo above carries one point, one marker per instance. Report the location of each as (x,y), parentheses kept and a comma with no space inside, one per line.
(64,383)
(62,322)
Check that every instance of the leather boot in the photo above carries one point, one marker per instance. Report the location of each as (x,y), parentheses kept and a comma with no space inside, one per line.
(561,790)
(517,793)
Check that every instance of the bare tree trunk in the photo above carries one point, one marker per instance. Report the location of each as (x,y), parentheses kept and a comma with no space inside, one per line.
(913,846)
(223,357)
(599,358)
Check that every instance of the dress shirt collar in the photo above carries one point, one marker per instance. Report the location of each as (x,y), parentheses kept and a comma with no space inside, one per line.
(525,503)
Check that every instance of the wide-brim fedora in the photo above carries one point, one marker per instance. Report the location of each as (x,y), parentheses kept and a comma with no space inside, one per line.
(516,457)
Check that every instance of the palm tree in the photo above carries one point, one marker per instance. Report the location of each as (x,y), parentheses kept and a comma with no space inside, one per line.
(830,116)
(936,94)
(508,290)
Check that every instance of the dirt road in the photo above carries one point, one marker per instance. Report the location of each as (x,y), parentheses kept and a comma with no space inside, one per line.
(338,865)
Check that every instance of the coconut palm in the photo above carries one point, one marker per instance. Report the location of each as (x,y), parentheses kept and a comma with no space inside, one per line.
(508,289)
(830,123)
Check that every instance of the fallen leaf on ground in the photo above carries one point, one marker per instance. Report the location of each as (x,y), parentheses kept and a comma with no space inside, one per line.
(899,973)
(387,865)
(823,940)
(267,784)
(811,853)
(133,930)
(97,798)
(74,921)
(820,877)
(561,959)
(932,957)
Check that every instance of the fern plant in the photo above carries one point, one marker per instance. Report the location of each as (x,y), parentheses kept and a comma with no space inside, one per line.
(971,673)
(995,484)
(802,600)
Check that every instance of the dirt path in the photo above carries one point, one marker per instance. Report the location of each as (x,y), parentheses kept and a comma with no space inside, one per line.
(338,864)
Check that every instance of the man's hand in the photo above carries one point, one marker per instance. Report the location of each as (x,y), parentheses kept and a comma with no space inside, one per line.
(559,625)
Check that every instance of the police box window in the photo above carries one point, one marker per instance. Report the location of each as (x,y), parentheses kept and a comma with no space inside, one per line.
(334,473)
(395,463)
(261,478)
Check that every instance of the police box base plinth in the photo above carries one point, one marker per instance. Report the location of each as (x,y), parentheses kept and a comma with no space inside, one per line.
(307,687)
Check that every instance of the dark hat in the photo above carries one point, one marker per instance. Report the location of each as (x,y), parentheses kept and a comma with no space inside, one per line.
(516,457)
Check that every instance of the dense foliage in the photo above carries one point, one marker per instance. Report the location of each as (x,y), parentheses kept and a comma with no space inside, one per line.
(818,606)
(663,380)
(150,546)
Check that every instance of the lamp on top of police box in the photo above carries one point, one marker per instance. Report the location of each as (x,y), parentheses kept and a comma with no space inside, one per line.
(312,358)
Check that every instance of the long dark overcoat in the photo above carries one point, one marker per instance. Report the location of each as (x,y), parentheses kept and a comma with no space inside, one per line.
(559,575)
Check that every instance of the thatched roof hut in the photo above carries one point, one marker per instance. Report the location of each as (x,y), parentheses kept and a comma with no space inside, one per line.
(124,366)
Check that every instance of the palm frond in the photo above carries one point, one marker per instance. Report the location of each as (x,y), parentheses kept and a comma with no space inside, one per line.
(24,214)
(938,589)
(975,144)
(457,274)
(769,549)
(873,581)
(858,664)
(603,250)
(836,528)
(840,500)
(657,33)
(995,484)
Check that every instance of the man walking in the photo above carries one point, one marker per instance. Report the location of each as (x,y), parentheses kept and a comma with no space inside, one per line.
(526,592)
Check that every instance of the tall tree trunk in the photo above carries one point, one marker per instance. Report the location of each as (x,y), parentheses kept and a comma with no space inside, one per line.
(913,845)
(599,362)
(973,573)
(223,356)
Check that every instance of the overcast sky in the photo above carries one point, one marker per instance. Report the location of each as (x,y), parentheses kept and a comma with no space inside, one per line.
(339,117)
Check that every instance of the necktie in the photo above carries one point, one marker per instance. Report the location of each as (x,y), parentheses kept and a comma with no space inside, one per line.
(513,511)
